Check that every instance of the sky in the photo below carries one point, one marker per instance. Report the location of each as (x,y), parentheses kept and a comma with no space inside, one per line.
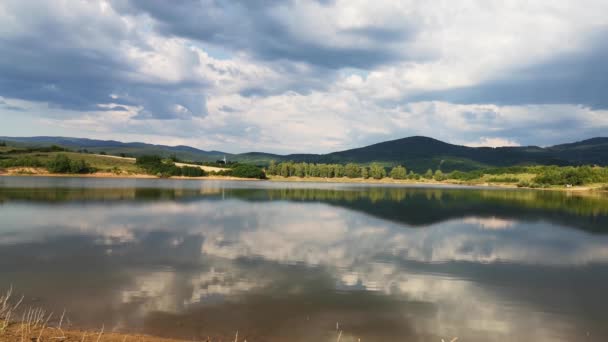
(305,76)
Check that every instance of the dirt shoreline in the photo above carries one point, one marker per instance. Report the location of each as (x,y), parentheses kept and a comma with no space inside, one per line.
(428,182)
(31,172)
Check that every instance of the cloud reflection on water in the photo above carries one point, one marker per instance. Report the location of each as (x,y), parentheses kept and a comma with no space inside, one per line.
(479,277)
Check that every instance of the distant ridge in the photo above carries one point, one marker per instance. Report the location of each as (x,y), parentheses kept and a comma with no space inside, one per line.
(417,153)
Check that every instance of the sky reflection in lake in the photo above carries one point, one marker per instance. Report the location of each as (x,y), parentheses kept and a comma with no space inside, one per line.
(286,262)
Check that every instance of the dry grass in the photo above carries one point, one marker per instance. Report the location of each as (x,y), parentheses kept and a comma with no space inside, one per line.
(18,332)
(7,309)
(18,324)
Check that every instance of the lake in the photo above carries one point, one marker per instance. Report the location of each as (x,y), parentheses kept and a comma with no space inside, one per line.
(308,262)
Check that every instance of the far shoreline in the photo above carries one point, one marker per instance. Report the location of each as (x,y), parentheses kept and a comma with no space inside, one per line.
(344,180)
(389,181)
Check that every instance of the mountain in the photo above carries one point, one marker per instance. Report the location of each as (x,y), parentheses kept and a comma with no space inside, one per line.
(590,151)
(417,153)
(116,147)
(425,152)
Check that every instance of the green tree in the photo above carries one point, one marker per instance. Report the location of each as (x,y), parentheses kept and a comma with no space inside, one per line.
(398,172)
(339,170)
(377,171)
(323,170)
(292,169)
(314,170)
(298,170)
(352,170)
(284,169)
(272,168)
(439,176)
(307,169)
(428,174)
(364,172)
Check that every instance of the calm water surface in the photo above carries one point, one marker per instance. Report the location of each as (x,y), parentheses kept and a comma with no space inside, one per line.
(302,262)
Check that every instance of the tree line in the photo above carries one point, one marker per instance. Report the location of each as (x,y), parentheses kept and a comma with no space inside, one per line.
(351,170)
(543,175)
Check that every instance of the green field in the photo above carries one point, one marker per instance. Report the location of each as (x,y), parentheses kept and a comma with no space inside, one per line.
(19,157)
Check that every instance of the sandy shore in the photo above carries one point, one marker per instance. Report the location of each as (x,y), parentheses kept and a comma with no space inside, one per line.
(425,182)
(38,172)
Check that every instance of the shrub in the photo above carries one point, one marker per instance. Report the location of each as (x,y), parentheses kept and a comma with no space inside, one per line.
(248,171)
(193,171)
(503,180)
(26,161)
(79,166)
(155,166)
(62,164)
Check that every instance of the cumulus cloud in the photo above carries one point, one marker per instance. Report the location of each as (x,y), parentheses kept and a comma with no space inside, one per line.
(325,34)
(81,56)
(572,78)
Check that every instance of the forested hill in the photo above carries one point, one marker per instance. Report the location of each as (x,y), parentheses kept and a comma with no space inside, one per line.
(417,153)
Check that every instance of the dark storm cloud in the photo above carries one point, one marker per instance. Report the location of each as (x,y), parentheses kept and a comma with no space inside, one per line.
(77,63)
(252,26)
(576,78)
